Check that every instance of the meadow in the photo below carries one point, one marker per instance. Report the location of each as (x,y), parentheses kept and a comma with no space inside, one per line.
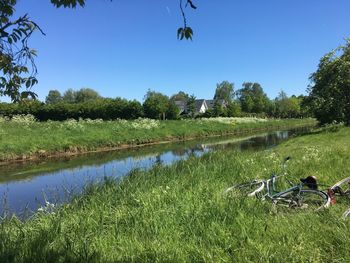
(22,137)
(178,213)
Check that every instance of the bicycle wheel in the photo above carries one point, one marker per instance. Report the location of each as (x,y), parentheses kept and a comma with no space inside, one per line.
(246,189)
(304,199)
(346,213)
(342,187)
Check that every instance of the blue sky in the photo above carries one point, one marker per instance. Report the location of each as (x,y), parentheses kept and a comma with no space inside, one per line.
(123,48)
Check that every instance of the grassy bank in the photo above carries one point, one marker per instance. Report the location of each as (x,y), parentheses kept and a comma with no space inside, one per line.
(23,137)
(178,214)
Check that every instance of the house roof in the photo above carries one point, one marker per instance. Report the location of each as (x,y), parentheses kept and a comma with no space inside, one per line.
(199,104)
(211,103)
(208,104)
(182,105)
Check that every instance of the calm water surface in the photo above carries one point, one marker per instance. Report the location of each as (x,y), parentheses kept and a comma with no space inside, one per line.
(25,187)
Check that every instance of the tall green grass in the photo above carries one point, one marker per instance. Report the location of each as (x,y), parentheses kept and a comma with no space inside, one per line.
(23,137)
(178,213)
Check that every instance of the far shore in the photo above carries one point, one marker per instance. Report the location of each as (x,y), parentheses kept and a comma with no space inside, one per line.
(68,139)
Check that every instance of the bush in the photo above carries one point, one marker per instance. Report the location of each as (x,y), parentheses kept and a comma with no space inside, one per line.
(106,109)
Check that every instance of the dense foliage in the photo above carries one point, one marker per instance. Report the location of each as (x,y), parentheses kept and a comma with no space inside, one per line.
(156,105)
(253,98)
(224,91)
(106,109)
(87,103)
(330,89)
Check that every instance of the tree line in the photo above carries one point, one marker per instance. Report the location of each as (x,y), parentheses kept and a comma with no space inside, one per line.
(328,100)
(250,100)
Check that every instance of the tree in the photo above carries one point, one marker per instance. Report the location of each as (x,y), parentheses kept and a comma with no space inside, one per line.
(224,91)
(69,96)
(53,97)
(17,64)
(233,109)
(180,96)
(218,109)
(155,105)
(173,111)
(306,106)
(329,90)
(287,107)
(86,94)
(80,96)
(252,98)
(191,106)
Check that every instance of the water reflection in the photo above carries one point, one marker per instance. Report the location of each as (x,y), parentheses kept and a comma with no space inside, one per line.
(27,186)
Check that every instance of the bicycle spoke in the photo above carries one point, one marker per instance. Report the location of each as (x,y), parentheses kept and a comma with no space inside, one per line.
(304,199)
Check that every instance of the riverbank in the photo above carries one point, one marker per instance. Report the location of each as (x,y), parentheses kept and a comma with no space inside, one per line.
(178,213)
(23,138)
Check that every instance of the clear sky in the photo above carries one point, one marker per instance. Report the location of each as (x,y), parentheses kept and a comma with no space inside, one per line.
(123,48)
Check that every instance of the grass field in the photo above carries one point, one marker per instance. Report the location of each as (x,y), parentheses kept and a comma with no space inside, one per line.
(23,137)
(178,213)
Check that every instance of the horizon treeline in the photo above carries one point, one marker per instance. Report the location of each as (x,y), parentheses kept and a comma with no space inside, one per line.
(250,100)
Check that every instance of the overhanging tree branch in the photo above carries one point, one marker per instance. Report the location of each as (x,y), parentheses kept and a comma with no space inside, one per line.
(17,65)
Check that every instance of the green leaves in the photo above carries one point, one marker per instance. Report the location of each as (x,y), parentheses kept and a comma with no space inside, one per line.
(329,92)
(185,32)
(68,3)
(28,94)
(17,66)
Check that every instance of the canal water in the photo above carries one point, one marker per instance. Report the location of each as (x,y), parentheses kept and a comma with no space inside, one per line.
(25,187)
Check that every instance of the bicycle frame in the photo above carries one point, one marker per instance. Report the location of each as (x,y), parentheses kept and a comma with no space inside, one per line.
(273,194)
(270,184)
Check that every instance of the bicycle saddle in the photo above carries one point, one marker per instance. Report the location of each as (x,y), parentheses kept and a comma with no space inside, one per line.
(310,181)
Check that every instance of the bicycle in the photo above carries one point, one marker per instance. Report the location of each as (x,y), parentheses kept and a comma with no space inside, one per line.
(346,213)
(294,197)
(341,188)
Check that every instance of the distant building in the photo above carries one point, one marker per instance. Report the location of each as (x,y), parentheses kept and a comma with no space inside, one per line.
(221,102)
(182,105)
(201,105)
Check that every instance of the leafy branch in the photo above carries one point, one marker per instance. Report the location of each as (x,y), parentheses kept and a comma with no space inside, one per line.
(17,65)
(185,31)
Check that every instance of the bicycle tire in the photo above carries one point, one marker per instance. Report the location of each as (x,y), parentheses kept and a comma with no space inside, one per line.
(346,213)
(248,189)
(343,185)
(304,199)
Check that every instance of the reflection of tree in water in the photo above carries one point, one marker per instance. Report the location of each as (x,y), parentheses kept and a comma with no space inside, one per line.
(179,152)
(158,159)
(253,144)
(257,143)
(282,134)
(248,146)
(226,146)
(192,151)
